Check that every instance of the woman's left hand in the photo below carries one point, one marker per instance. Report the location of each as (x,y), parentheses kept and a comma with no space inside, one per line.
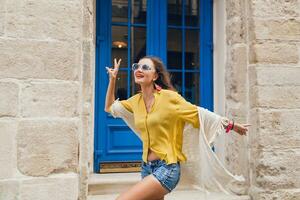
(241,128)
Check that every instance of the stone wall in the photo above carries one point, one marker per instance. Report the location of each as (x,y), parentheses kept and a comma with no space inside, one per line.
(236,86)
(86,157)
(46,107)
(263,41)
(274,73)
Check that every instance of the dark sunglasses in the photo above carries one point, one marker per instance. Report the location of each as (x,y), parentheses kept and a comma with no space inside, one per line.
(144,67)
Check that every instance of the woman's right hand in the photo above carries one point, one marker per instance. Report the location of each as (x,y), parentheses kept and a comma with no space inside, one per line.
(241,128)
(113,72)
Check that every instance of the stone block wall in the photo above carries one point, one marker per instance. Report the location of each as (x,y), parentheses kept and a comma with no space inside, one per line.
(236,86)
(262,87)
(274,87)
(46,92)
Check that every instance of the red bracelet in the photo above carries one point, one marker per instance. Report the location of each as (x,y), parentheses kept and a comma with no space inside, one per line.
(229,127)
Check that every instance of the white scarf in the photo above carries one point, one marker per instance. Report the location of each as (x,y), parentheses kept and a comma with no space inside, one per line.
(202,169)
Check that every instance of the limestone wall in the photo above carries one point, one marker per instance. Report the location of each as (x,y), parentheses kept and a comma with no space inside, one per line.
(46,92)
(236,86)
(263,73)
(274,87)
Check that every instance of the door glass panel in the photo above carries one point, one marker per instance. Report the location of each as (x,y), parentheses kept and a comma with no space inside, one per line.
(138,51)
(192,13)
(174,12)
(183,54)
(129,40)
(176,80)
(174,49)
(192,48)
(192,90)
(120,44)
(139,14)
(121,85)
(138,44)
(119,10)
(135,88)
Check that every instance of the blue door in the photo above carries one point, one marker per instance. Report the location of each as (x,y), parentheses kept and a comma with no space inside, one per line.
(178,31)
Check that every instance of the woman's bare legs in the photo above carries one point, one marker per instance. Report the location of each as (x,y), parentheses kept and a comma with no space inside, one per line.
(148,188)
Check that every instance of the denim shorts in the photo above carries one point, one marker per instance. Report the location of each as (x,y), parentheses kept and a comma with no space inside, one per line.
(167,175)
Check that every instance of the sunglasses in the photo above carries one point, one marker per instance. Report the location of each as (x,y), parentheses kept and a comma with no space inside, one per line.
(144,67)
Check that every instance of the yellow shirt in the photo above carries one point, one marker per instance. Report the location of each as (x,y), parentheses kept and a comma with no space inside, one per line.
(162,128)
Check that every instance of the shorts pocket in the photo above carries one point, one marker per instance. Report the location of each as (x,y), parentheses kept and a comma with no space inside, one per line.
(177,172)
(145,169)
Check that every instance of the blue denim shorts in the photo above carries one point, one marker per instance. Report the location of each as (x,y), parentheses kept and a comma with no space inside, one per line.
(167,175)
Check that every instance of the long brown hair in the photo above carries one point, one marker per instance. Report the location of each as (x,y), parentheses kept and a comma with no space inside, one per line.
(163,79)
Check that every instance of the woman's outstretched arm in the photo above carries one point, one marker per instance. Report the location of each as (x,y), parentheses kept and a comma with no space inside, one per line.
(189,113)
(110,93)
(236,127)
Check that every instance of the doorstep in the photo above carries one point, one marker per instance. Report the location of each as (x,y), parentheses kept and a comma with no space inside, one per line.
(111,182)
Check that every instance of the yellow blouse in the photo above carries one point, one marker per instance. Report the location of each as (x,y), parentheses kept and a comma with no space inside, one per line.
(162,128)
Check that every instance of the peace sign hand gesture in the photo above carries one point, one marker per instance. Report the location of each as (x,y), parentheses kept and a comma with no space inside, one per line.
(113,72)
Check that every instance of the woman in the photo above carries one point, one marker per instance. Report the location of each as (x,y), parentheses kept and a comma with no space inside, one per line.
(160,114)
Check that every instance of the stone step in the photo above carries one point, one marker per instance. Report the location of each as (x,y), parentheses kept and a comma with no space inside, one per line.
(180,195)
(111,183)
(115,183)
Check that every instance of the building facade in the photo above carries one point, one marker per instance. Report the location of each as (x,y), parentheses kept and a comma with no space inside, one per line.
(238,58)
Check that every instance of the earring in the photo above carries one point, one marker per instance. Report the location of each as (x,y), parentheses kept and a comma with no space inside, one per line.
(157,86)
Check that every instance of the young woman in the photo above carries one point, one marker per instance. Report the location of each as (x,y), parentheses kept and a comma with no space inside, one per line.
(160,114)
